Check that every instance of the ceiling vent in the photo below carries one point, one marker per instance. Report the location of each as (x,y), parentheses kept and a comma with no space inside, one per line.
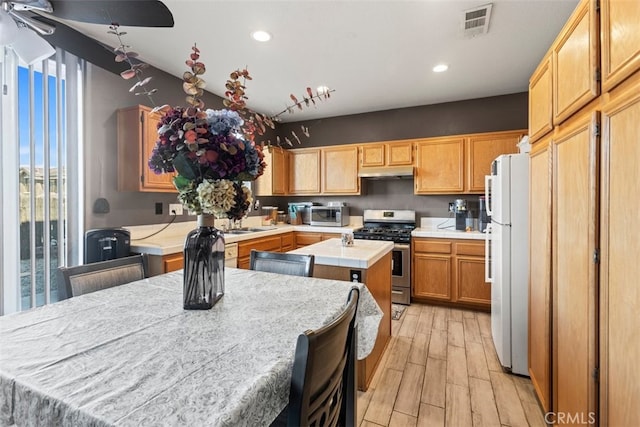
(476,20)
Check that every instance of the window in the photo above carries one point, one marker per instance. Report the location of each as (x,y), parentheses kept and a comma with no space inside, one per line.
(41,176)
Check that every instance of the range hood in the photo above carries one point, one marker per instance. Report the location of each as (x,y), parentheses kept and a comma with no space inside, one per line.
(387,172)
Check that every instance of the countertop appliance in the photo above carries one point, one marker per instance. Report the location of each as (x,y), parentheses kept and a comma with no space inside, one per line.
(507,258)
(394,226)
(330,216)
(106,243)
(300,212)
(460,211)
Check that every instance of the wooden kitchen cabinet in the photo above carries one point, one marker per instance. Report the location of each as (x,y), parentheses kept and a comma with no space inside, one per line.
(575,62)
(450,271)
(287,242)
(269,243)
(620,50)
(541,100)
(392,153)
(305,238)
(439,166)
(137,136)
(470,287)
(582,228)
(482,149)
(540,302)
(304,171)
(273,181)
(340,170)
(619,267)
(372,155)
(575,191)
(172,262)
(454,165)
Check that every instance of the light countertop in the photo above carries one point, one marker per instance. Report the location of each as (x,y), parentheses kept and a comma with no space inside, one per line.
(444,228)
(171,240)
(363,254)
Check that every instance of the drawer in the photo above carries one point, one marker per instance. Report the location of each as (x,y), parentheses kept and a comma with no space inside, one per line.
(303,239)
(231,250)
(266,244)
(432,246)
(470,248)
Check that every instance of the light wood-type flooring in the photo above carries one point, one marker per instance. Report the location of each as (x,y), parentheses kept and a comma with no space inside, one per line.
(441,369)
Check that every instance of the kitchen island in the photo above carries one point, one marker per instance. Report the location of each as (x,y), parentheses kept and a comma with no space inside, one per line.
(164,246)
(369,262)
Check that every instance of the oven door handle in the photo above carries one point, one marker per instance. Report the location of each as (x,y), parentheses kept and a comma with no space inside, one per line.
(401,246)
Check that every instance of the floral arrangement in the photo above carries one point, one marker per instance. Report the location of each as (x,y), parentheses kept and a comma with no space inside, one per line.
(209,150)
(212,151)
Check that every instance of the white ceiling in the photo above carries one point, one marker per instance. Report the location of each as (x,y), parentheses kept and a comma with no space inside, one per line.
(377,55)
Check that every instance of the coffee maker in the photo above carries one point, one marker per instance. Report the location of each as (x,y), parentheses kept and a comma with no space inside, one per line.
(460,212)
(485,218)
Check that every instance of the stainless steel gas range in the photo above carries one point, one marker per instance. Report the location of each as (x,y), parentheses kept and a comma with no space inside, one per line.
(394,226)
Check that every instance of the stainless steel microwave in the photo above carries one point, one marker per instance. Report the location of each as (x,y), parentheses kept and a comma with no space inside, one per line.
(330,216)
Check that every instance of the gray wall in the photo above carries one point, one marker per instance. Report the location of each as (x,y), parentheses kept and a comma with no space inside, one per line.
(106,92)
(507,112)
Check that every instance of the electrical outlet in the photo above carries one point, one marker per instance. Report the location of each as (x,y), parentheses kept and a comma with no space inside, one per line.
(451,207)
(175,207)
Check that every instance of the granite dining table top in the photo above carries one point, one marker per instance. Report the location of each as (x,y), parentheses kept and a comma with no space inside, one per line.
(132,356)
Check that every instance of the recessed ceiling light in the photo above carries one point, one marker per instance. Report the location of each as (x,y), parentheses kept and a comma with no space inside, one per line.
(440,68)
(261,36)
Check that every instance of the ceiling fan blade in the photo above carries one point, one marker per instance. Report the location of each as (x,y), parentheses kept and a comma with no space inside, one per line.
(39,27)
(82,46)
(43,5)
(138,13)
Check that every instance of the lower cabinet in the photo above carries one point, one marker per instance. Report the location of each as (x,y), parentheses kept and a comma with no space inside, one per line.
(306,238)
(450,271)
(271,243)
(172,262)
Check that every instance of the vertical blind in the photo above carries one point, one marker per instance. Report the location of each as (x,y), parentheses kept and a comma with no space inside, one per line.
(41,176)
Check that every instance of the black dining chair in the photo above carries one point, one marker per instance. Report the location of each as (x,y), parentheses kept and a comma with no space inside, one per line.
(283,263)
(323,380)
(83,279)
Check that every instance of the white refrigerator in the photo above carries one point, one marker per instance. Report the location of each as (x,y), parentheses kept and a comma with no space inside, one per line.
(507,258)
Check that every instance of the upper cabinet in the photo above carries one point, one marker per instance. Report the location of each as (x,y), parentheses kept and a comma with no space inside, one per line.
(340,170)
(396,153)
(575,62)
(620,50)
(482,149)
(274,180)
(137,136)
(325,170)
(304,171)
(459,164)
(540,100)
(439,166)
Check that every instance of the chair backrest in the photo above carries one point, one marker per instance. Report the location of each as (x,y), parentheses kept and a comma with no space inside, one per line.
(283,263)
(323,378)
(83,279)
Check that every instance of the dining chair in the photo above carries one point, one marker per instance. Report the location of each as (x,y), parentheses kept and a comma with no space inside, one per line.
(323,380)
(83,279)
(283,263)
